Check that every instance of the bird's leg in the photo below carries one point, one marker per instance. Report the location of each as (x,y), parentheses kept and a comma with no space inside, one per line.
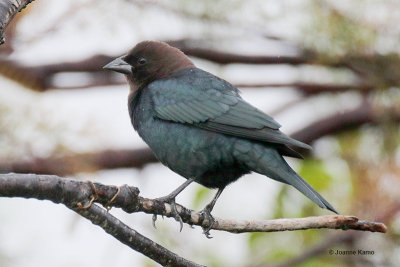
(207,213)
(170,198)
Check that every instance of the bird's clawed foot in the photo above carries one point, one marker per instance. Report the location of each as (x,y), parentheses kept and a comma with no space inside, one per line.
(206,212)
(170,199)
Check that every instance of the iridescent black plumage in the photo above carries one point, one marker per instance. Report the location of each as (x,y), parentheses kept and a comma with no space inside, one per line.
(198,125)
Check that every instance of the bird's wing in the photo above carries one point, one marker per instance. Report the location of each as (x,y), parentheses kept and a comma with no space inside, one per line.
(222,111)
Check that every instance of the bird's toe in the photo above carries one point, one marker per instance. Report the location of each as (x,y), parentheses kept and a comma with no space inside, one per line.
(208,222)
(174,211)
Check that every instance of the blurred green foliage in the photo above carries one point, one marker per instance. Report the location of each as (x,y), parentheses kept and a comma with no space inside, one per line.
(333,33)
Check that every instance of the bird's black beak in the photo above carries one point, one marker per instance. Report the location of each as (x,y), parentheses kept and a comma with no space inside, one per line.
(119,65)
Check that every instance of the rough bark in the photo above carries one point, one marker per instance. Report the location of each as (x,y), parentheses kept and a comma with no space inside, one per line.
(8,9)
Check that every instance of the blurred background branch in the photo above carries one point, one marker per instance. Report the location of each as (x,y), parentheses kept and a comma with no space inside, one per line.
(137,158)
(383,74)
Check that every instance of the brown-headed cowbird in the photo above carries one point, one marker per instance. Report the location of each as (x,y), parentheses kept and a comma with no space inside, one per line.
(198,125)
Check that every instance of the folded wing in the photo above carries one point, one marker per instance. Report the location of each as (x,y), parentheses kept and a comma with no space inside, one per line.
(219,109)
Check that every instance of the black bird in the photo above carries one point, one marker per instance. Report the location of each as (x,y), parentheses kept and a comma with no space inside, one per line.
(198,125)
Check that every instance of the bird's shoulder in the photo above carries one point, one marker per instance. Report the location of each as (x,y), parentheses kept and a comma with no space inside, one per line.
(192,95)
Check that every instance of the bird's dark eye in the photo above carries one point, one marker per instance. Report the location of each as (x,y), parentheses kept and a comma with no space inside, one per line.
(142,61)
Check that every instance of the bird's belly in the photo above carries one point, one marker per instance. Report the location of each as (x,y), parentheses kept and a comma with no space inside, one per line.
(192,152)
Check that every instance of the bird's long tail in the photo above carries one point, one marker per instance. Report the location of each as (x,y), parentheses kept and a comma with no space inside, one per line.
(268,161)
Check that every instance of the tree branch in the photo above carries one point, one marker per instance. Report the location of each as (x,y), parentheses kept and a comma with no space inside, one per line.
(132,238)
(8,9)
(336,122)
(313,88)
(85,162)
(341,121)
(41,78)
(71,192)
(220,57)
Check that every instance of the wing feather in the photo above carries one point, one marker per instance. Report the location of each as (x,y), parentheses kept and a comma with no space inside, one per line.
(219,109)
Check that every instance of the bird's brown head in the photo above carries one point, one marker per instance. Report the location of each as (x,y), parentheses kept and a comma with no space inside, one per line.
(149,61)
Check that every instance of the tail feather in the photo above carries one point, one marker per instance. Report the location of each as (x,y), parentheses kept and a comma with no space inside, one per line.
(269,162)
(296,181)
